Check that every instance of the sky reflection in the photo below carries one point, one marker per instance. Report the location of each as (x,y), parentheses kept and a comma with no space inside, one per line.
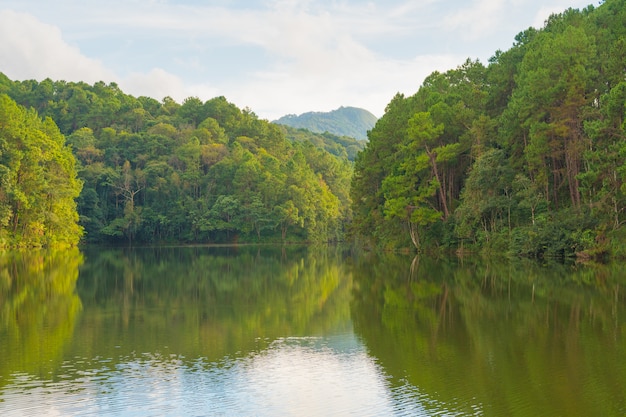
(307,376)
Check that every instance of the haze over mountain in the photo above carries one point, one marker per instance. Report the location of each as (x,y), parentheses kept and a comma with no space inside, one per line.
(344,121)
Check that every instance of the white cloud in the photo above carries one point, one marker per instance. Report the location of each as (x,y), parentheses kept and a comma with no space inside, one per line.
(543,14)
(369,84)
(408,8)
(157,84)
(274,56)
(318,64)
(481,18)
(32,49)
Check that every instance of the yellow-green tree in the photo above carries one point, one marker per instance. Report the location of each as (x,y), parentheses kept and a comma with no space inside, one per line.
(38,181)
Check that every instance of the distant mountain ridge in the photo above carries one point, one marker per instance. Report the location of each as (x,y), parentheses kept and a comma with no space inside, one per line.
(344,121)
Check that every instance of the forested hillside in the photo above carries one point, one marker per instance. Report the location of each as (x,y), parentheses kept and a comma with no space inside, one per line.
(525,155)
(341,146)
(192,172)
(344,121)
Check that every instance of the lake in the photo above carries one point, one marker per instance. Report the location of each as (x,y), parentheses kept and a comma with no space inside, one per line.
(307,331)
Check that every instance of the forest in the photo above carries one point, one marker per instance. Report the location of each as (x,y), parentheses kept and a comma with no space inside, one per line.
(523,156)
(158,172)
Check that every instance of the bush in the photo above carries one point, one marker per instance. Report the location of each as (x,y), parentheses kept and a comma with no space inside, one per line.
(562,235)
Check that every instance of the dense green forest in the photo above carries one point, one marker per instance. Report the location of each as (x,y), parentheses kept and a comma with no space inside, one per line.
(525,155)
(344,121)
(202,172)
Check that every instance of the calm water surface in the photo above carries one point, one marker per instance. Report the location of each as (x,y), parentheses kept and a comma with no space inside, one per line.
(264,331)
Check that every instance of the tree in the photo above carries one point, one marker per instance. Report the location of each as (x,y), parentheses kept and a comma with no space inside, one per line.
(422,136)
(413,208)
(224,215)
(127,184)
(39,181)
(257,215)
(378,160)
(287,215)
(486,200)
(553,87)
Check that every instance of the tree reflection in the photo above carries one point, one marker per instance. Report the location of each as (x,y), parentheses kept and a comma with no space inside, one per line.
(208,301)
(476,335)
(38,309)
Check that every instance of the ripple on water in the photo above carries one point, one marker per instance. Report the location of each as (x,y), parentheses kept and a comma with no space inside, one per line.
(293,376)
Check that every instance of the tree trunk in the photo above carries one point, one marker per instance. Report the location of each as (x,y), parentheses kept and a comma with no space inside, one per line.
(413,232)
(442,193)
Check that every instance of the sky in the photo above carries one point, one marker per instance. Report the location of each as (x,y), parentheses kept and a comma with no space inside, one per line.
(275,57)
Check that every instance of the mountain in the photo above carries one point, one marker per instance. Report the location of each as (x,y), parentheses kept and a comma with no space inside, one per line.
(345,121)
(341,146)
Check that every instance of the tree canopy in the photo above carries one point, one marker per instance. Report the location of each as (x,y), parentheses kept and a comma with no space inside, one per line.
(525,154)
(38,181)
(202,172)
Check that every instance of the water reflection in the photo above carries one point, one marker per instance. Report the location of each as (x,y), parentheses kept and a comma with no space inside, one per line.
(306,331)
(489,339)
(211,302)
(38,309)
(295,376)
(195,331)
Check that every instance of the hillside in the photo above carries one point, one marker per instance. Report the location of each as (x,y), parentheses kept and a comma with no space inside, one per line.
(341,146)
(526,155)
(344,121)
(198,172)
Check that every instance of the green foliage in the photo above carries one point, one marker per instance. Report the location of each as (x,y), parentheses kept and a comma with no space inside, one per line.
(496,158)
(525,156)
(193,172)
(38,181)
(486,199)
(556,237)
(341,146)
(370,226)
